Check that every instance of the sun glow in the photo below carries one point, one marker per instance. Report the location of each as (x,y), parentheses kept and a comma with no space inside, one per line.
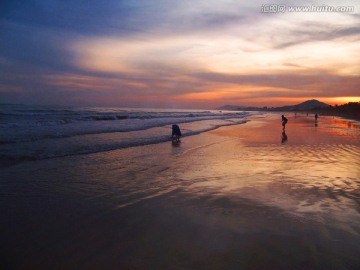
(341,100)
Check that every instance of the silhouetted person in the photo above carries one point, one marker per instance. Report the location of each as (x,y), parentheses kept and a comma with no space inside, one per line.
(283,121)
(283,137)
(176,133)
(316,117)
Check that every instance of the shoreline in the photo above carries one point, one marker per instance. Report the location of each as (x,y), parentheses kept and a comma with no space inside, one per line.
(29,156)
(50,148)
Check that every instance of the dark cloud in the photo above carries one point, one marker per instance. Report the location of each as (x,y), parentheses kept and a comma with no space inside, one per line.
(37,47)
(84,17)
(35,34)
(114,17)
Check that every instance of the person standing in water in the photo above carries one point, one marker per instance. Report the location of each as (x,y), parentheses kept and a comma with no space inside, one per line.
(176,133)
(283,121)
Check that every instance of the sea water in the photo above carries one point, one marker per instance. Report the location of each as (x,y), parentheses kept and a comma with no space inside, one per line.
(40,132)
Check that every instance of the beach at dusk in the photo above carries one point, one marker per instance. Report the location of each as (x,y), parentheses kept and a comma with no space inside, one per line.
(192,134)
(235,197)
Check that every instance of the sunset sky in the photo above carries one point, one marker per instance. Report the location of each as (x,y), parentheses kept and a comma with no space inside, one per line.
(177,54)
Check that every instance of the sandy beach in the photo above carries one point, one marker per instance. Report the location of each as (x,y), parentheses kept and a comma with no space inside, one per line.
(246,196)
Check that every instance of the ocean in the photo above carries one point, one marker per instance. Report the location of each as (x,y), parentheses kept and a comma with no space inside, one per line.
(41,132)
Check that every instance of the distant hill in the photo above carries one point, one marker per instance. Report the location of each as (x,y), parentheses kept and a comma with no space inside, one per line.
(231,108)
(311,104)
(307,105)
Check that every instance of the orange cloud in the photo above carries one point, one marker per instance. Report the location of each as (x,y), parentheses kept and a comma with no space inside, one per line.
(72,81)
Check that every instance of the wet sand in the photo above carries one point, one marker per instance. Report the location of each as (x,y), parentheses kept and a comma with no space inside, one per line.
(239,197)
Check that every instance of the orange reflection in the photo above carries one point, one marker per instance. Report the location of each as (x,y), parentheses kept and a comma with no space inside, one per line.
(345,123)
(315,172)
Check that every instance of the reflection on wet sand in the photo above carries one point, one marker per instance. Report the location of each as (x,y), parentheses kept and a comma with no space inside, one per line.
(284,137)
(302,196)
(344,123)
(316,177)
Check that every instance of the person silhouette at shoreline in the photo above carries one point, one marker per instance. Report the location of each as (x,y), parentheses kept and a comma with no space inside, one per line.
(176,133)
(283,121)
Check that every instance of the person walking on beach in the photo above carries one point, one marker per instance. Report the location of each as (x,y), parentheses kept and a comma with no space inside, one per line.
(176,133)
(316,116)
(283,121)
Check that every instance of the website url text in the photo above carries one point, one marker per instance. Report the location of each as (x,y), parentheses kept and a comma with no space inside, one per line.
(323,8)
